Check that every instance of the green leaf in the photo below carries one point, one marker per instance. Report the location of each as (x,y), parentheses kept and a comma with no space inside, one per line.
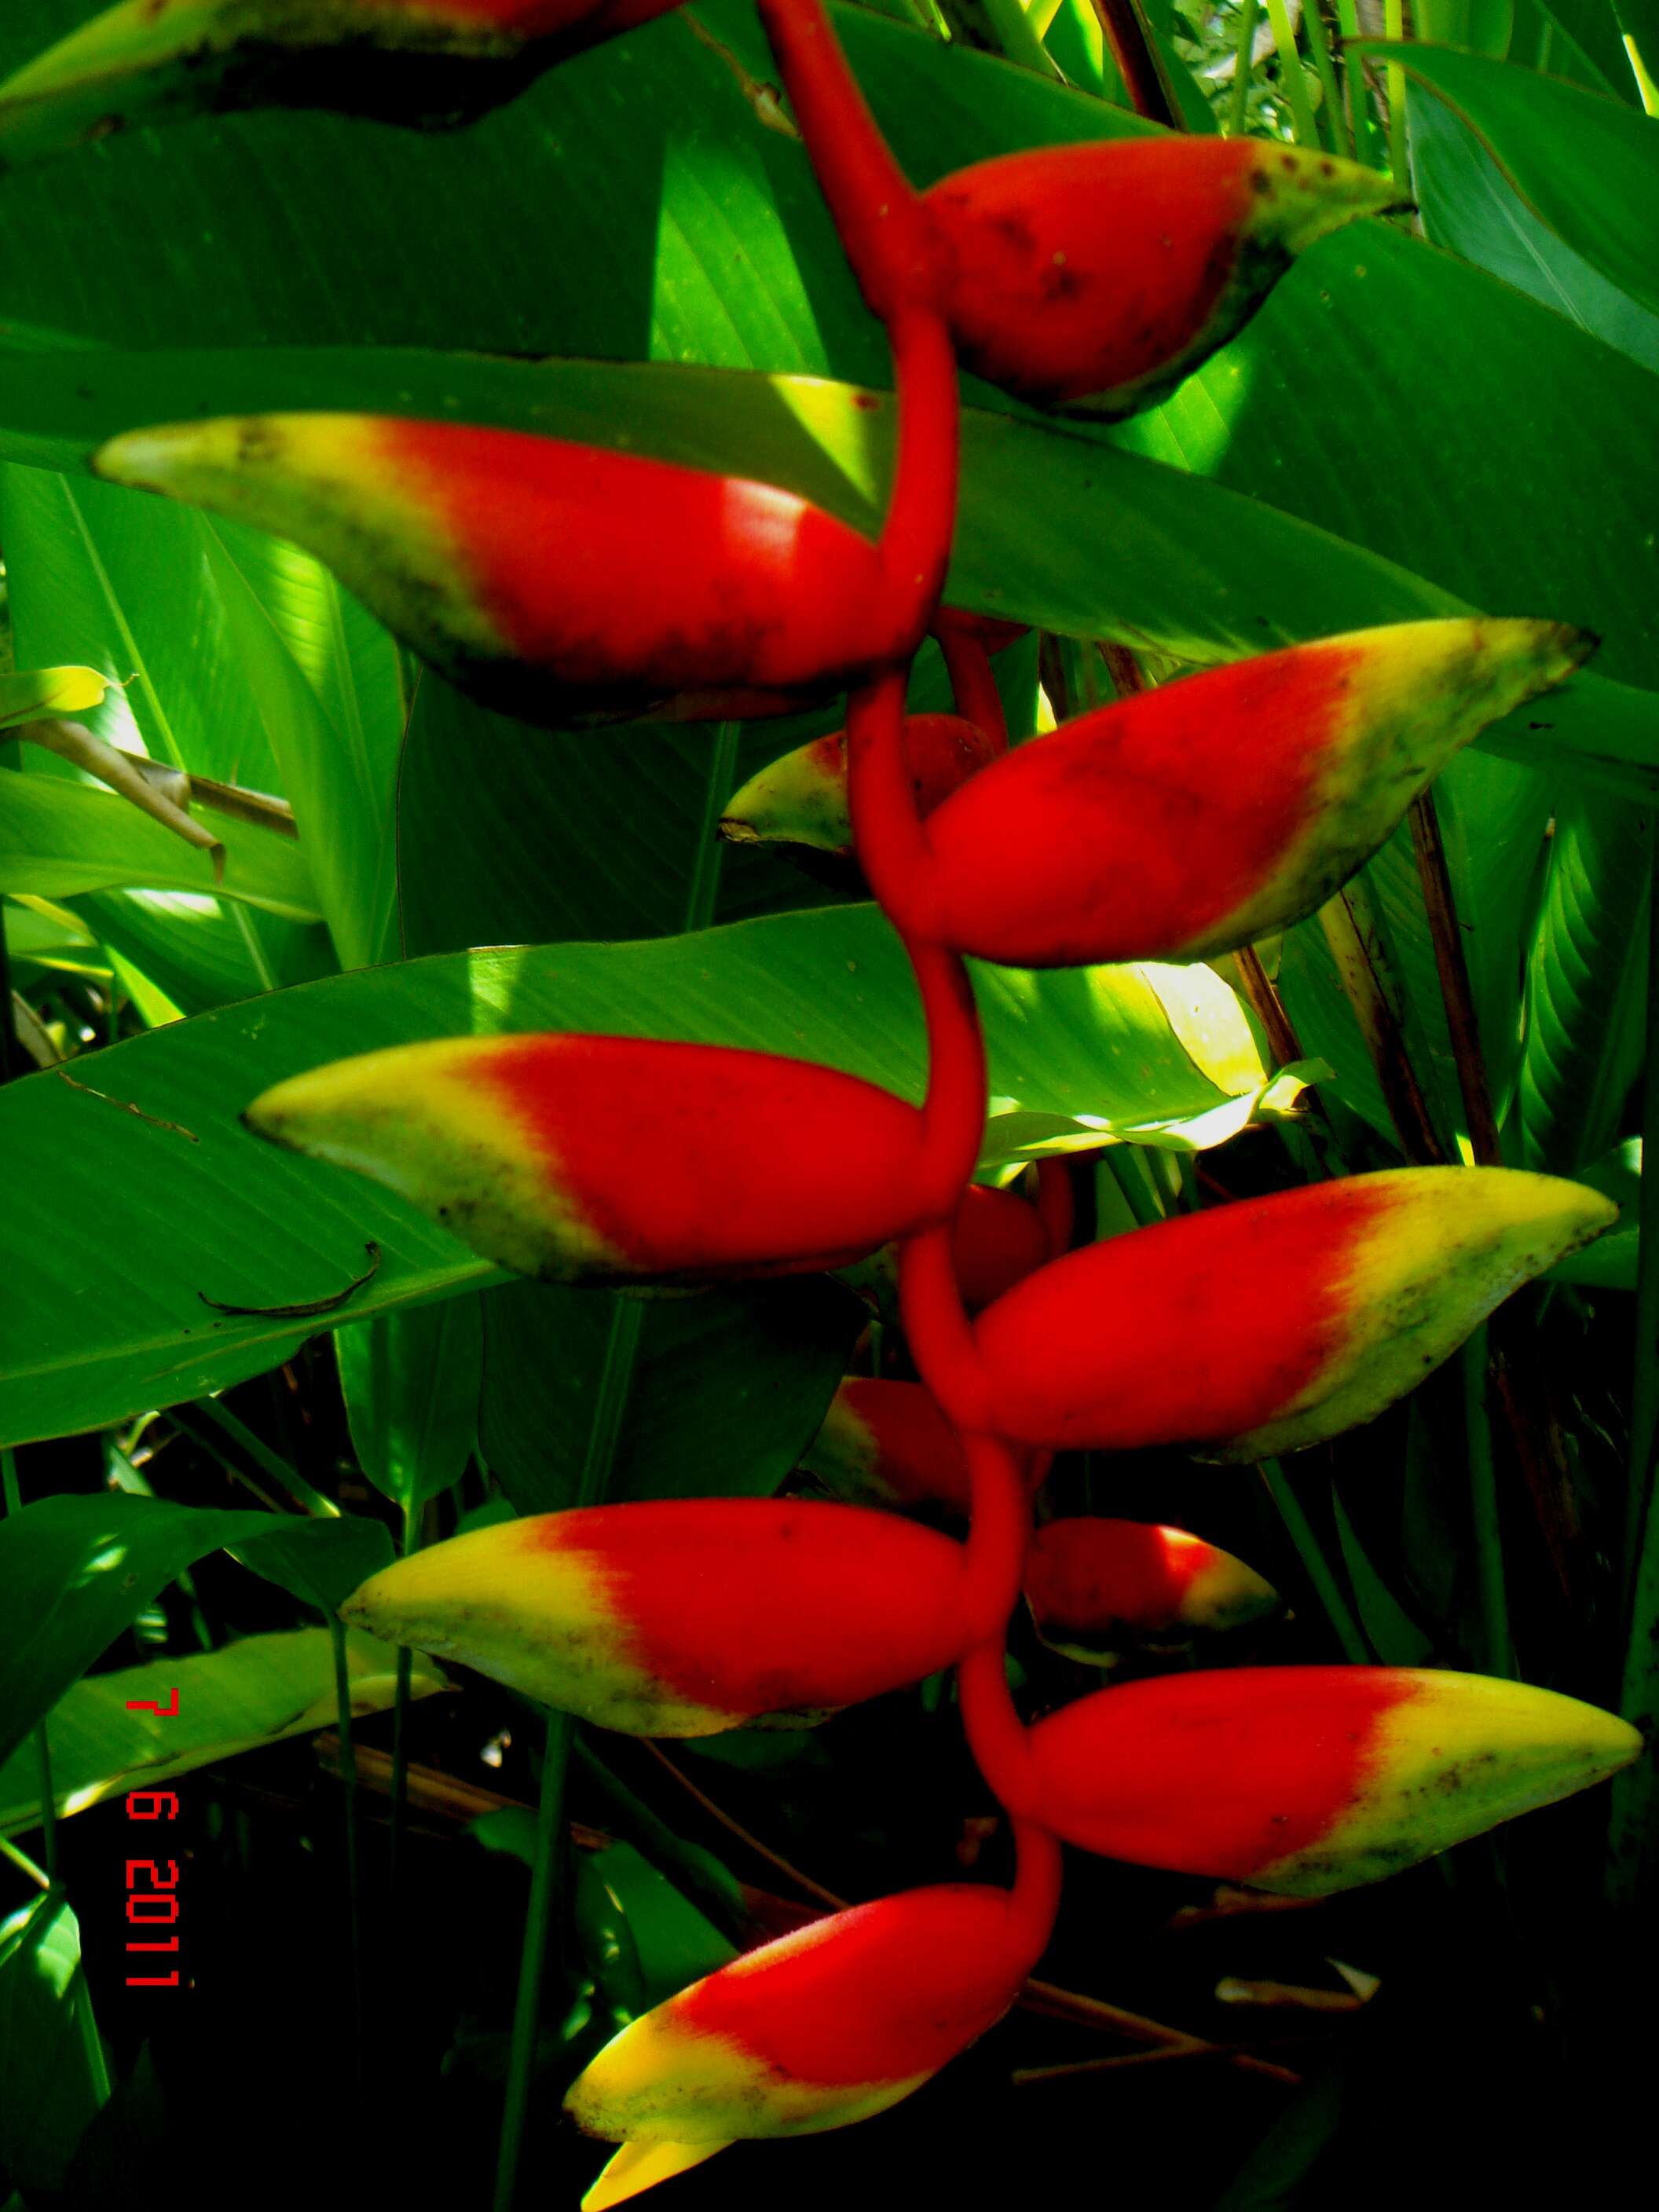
(86,1337)
(1585,165)
(161,593)
(53,2081)
(253,1693)
(75,1572)
(58,838)
(412,1381)
(1468,208)
(43,694)
(1586,978)
(672,1942)
(727,1391)
(1610,1263)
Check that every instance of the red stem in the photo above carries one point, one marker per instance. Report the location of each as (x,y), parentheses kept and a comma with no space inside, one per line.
(885,230)
(996,1735)
(1056,1202)
(938,1330)
(972,683)
(998,1531)
(914,545)
(1035,1899)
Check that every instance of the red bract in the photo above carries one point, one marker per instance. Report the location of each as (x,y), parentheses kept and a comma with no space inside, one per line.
(1273,1322)
(683,1617)
(617,1160)
(419,62)
(801,800)
(1308,1779)
(1185,821)
(889,1444)
(1093,1585)
(819,2029)
(1101,276)
(431,522)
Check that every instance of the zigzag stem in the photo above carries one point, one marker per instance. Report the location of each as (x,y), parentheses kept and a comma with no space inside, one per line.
(889,836)
(889,241)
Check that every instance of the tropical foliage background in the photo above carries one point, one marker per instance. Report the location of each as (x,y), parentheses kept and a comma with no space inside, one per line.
(1452,411)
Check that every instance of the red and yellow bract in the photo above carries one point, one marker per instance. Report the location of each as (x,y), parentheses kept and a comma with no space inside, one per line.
(1100,276)
(617,1160)
(1187,821)
(1274,1322)
(821,2029)
(801,800)
(1308,1779)
(681,1616)
(419,62)
(1094,1584)
(430,524)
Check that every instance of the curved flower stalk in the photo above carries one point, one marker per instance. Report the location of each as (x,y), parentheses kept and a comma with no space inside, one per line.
(682,1617)
(815,2031)
(617,1160)
(425,62)
(1093,1586)
(1308,1779)
(430,524)
(1184,822)
(1272,1323)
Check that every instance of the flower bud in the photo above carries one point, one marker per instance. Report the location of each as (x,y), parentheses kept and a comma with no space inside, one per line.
(1274,1322)
(801,799)
(418,61)
(552,581)
(1100,276)
(1309,1779)
(889,1444)
(820,2028)
(1185,821)
(615,1160)
(681,1616)
(1095,1586)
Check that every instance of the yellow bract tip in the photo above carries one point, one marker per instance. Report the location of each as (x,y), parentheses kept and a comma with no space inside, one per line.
(638,2166)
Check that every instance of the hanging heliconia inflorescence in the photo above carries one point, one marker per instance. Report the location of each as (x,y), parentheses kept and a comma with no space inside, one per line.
(1175,824)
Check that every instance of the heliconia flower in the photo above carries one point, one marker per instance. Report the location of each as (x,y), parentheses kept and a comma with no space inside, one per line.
(615,1160)
(1273,1322)
(419,62)
(682,1617)
(1309,1779)
(550,580)
(815,2031)
(801,800)
(1093,1585)
(1100,276)
(1185,821)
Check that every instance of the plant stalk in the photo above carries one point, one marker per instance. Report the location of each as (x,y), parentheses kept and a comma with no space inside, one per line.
(1243,67)
(1299,1529)
(1483,1509)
